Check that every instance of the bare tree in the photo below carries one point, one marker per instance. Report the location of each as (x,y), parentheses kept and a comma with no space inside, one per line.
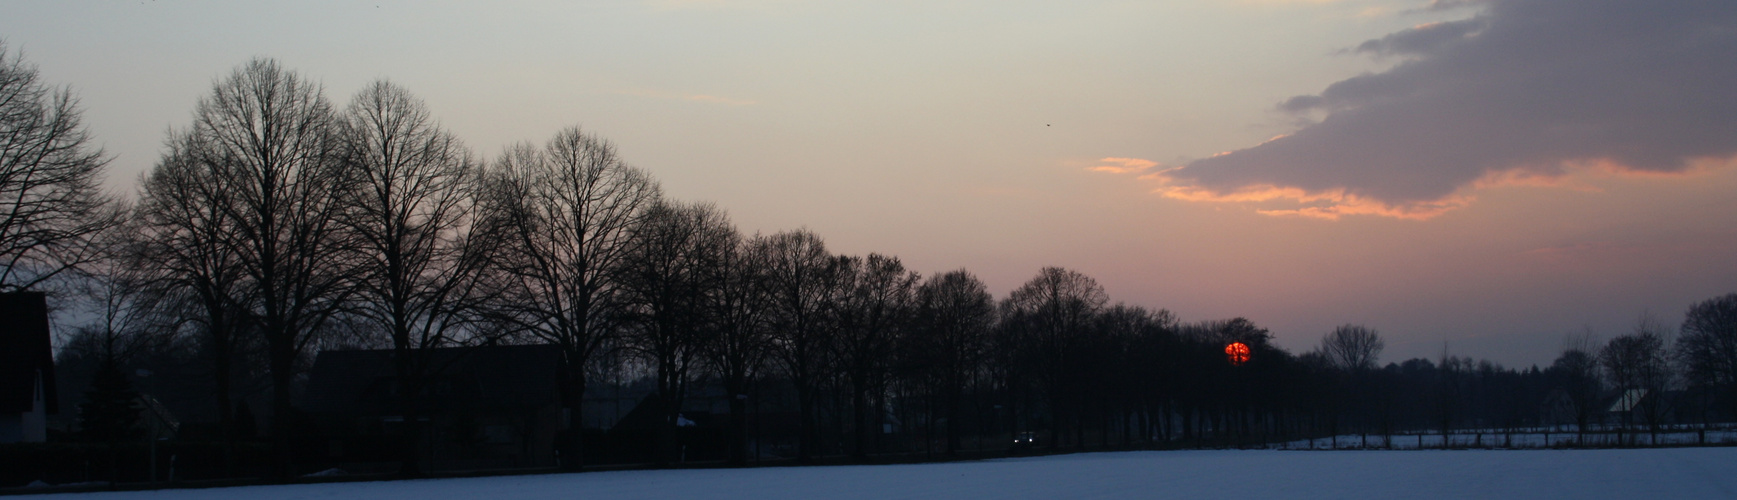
(269,138)
(1353,348)
(422,256)
(1708,348)
(125,317)
(1639,368)
(800,279)
(953,320)
(874,306)
(675,265)
(740,339)
(51,201)
(183,228)
(1579,371)
(1051,311)
(568,209)
(1450,391)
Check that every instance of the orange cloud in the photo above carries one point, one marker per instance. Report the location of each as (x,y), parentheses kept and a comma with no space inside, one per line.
(1123,165)
(1332,204)
(1584,175)
(1353,205)
(1328,205)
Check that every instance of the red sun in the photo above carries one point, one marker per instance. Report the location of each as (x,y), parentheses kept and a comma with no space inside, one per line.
(1237,352)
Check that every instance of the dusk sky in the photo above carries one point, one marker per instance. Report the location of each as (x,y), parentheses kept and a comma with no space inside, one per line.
(1486,175)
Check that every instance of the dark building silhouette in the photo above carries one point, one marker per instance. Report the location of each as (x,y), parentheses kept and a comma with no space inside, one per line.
(494,406)
(27,393)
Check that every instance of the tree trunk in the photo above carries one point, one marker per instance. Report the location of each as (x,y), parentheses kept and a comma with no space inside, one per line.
(738,433)
(954,426)
(571,446)
(221,372)
(282,411)
(408,387)
(859,415)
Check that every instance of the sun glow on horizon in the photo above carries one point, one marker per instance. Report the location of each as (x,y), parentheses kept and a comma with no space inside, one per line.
(1237,353)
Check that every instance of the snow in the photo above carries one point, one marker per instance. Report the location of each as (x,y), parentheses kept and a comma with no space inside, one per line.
(334,472)
(1606,473)
(1504,439)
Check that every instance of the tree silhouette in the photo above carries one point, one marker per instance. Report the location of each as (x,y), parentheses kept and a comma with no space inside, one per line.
(51,202)
(1354,350)
(268,139)
(1049,313)
(567,210)
(1353,347)
(945,348)
(111,410)
(676,262)
(800,278)
(1639,369)
(875,303)
(1708,348)
(740,339)
(1577,374)
(181,230)
(422,256)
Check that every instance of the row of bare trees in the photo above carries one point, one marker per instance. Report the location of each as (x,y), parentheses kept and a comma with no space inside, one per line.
(1642,380)
(1654,375)
(277,223)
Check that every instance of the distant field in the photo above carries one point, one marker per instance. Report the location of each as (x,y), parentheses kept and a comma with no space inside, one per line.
(1253,474)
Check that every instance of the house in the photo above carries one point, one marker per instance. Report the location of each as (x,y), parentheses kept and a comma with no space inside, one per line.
(1627,401)
(490,406)
(1558,409)
(1633,406)
(27,393)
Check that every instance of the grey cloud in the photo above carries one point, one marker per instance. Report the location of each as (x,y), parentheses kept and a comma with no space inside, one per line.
(1524,87)
(1423,40)
(1436,5)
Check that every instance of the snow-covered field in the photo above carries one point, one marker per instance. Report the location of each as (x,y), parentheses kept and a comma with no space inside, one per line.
(1619,474)
(1499,439)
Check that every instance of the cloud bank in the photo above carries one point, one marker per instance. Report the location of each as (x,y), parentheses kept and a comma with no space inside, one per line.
(1526,90)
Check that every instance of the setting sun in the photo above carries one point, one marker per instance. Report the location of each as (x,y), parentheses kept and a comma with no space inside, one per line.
(1237,353)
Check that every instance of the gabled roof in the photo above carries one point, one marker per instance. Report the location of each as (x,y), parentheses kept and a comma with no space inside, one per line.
(480,378)
(1628,400)
(26,353)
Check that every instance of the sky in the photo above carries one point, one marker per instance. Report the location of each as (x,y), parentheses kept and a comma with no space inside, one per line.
(1480,177)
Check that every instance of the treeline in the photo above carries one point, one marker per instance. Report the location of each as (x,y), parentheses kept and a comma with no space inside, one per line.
(277,223)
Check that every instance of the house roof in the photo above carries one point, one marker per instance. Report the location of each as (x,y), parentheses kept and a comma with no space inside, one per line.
(26,353)
(1628,400)
(479,378)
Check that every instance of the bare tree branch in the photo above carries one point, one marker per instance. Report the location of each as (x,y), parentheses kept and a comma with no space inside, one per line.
(51,202)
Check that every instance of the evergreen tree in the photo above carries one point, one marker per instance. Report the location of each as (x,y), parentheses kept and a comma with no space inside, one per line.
(110,413)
